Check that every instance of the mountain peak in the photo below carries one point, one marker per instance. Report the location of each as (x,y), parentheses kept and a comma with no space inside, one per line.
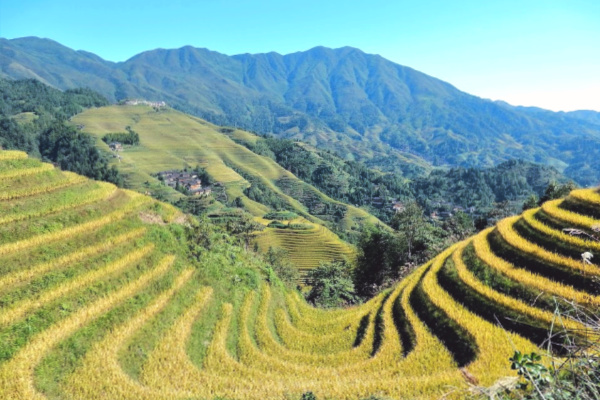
(361,105)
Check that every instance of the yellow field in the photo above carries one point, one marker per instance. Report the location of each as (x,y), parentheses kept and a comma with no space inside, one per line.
(96,303)
(306,248)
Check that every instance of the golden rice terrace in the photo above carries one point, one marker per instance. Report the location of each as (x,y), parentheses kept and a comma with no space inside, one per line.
(100,301)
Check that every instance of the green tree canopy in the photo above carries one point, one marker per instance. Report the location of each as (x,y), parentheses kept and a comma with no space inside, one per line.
(331,285)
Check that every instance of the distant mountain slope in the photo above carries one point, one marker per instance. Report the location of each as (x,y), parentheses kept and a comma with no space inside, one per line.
(361,105)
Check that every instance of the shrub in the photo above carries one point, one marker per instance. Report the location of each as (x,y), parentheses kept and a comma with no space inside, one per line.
(281,215)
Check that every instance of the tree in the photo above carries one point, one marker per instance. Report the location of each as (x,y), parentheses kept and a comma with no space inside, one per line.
(556,191)
(243,226)
(460,226)
(379,254)
(200,235)
(331,285)
(531,202)
(386,256)
(280,262)
(411,226)
(75,151)
(499,211)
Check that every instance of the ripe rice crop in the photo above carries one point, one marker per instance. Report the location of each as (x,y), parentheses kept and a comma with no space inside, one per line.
(74,230)
(493,296)
(505,229)
(16,375)
(12,155)
(586,195)
(23,276)
(101,368)
(494,343)
(529,217)
(195,330)
(25,172)
(570,218)
(484,252)
(62,201)
(71,179)
(20,309)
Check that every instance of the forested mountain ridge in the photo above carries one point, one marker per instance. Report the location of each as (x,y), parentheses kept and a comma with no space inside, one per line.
(360,105)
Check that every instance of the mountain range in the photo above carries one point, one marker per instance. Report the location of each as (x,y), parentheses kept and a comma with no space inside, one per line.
(360,105)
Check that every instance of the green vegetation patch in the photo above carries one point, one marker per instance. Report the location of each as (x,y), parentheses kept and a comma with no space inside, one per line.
(130,137)
(281,215)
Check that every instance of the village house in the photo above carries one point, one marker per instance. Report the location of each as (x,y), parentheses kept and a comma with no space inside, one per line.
(135,102)
(191,184)
(202,191)
(398,207)
(377,201)
(188,181)
(171,178)
(115,146)
(445,214)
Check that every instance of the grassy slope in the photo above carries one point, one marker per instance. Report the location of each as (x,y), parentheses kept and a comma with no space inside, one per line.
(170,139)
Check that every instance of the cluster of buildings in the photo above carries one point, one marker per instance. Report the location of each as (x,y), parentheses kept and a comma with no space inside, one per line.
(187,181)
(394,204)
(442,210)
(135,102)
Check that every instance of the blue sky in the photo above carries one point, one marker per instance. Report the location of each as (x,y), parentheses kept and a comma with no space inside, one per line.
(529,52)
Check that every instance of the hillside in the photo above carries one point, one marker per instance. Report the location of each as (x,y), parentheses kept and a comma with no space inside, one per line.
(360,105)
(353,182)
(171,140)
(101,298)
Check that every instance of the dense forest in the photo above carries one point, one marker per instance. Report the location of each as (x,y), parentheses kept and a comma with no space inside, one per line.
(33,118)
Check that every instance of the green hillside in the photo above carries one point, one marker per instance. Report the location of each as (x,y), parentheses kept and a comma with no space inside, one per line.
(171,140)
(353,182)
(360,105)
(104,295)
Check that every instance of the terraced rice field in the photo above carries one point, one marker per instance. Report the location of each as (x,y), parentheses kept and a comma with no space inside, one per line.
(98,303)
(306,248)
(171,140)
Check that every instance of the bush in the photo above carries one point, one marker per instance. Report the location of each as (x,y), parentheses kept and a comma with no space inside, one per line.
(280,263)
(300,227)
(130,137)
(308,396)
(281,215)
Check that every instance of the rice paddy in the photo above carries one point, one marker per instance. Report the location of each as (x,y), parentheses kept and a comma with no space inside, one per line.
(98,303)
